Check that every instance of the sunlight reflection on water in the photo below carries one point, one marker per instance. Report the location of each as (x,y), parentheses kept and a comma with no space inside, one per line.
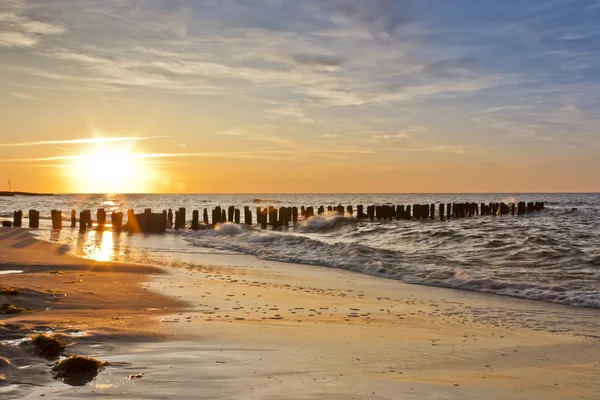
(99,246)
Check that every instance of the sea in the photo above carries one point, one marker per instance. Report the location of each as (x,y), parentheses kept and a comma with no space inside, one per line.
(551,255)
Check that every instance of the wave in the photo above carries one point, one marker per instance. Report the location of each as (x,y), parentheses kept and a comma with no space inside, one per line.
(324,224)
(259,200)
(392,264)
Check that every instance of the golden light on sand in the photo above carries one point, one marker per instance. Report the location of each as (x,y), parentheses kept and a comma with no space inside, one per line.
(110,169)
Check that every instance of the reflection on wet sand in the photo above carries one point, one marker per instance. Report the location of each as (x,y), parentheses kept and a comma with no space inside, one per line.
(102,246)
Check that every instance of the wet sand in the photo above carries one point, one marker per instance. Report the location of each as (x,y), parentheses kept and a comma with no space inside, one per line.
(240,328)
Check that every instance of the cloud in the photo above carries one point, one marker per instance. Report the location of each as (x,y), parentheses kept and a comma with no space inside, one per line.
(252,134)
(290,112)
(17,29)
(24,96)
(273,154)
(80,141)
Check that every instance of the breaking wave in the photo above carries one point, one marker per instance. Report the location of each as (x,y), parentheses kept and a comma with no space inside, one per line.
(320,242)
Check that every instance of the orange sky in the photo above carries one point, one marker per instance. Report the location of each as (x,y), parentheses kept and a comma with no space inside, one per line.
(303,97)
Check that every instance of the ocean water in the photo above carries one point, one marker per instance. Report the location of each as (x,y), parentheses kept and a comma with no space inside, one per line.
(552,255)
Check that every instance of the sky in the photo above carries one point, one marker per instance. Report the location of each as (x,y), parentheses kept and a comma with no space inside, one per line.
(278,96)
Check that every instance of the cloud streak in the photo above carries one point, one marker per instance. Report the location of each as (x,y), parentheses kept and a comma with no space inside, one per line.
(81,141)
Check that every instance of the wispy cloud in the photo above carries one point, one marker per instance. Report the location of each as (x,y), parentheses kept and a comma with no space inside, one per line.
(80,141)
(253,154)
(17,29)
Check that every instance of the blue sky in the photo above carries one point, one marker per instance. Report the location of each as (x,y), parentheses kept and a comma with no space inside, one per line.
(385,88)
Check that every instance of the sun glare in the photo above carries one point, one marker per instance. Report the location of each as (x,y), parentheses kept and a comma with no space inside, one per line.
(110,169)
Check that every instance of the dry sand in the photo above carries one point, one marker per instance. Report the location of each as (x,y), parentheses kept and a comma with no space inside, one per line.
(236,327)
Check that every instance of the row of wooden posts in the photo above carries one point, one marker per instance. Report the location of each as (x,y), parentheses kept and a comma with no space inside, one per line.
(275,217)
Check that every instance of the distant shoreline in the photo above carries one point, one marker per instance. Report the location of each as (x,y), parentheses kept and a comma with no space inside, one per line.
(8,194)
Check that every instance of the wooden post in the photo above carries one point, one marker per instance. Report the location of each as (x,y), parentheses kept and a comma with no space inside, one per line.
(400,212)
(321,210)
(116,220)
(182,217)
(360,211)
(303,211)
(408,213)
(521,208)
(350,211)
(56,219)
(263,218)
(101,218)
(282,217)
(441,211)
(17,219)
(247,216)
(82,221)
(416,209)
(177,220)
(170,219)
(236,215)
(205,217)
(195,220)
(73,219)
(34,219)
(432,211)
(512,208)
(230,213)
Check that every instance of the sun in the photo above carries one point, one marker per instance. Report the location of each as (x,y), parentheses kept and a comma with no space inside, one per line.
(110,169)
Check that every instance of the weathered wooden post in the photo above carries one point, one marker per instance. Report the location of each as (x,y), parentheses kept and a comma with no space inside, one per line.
(371,212)
(400,212)
(82,221)
(182,217)
(216,216)
(512,208)
(195,220)
(425,209)
(350,211)
(432,211)
(56,219)
(17,219)
(230,213)
(441,211)
(205,216)
(116,220)
(236,215)
(223,216)
(416,209)
(303,211)
(360,211)
(170,219)
(101,218)
(177,220)
(263,218)
(521,208)
(295,215)
(321,210)
(34,219)
(247,216)
(73,219)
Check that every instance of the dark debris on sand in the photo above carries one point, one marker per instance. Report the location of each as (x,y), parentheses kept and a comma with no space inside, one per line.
(47,346)
(77,370)
(10,291)
(7,308)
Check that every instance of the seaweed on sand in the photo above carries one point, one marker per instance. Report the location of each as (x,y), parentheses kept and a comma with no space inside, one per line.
(10,291)
(77,370)
(12,309)
(47,346)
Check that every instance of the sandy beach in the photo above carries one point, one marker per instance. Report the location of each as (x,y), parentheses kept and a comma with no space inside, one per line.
(235,327)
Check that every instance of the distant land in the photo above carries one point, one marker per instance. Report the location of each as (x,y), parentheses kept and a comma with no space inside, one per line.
(24,194)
